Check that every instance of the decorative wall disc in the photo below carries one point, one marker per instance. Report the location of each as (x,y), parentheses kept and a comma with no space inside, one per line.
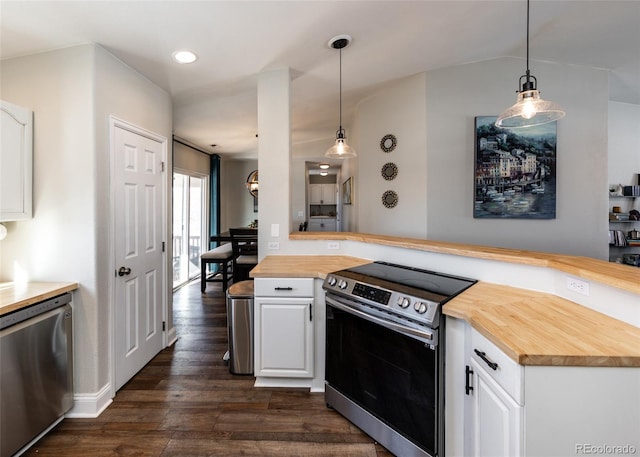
(389,199)
(388,143)
(389,171)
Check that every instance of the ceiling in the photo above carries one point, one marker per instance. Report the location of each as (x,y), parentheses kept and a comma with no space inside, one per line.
(215,100)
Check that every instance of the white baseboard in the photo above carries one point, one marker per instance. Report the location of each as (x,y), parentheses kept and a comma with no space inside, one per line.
(90,405)
(282,382)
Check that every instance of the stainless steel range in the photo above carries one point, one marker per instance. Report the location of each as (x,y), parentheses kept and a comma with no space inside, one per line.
(385,353)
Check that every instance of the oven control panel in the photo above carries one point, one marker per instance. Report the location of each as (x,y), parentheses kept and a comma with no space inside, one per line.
(407,306)
(371,293)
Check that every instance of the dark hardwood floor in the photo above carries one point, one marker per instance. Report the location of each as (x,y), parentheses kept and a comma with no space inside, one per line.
(186,403)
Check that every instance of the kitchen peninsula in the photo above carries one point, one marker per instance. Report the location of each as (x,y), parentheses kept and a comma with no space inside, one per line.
(562,331)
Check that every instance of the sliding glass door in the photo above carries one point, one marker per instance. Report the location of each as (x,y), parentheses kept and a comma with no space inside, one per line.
(190,192)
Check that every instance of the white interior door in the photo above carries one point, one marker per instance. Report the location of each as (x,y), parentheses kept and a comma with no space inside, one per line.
(139,258)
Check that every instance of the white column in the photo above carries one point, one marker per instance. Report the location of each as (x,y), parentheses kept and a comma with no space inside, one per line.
(274,158)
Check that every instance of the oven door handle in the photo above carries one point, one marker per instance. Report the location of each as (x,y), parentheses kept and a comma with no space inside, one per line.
(425,336)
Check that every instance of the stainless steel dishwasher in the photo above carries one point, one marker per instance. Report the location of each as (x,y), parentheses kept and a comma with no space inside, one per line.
(36,371)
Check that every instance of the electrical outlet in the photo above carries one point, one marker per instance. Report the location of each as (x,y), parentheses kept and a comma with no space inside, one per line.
(333,245)
(273,245)
(577,285)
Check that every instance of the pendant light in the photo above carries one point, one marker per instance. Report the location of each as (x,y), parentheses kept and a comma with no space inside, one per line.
(340,150)
(529,109)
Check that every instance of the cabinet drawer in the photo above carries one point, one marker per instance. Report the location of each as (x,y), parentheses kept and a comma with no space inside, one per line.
(507,373)
(283,287)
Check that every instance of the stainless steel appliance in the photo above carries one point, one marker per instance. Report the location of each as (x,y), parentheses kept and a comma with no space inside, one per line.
(36,371)
(385,353)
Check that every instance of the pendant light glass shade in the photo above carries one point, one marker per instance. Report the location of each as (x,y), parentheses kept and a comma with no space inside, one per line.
(340,150)
(530,110)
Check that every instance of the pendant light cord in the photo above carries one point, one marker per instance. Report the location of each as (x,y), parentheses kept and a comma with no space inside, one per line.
(340,88)
(527,37)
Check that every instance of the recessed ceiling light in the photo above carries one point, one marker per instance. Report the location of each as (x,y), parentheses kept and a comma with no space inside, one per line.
(184,57)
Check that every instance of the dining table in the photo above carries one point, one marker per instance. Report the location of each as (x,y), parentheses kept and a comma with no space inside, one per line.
(225,237)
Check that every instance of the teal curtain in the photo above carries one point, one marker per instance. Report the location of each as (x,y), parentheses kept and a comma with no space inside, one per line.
(214,196)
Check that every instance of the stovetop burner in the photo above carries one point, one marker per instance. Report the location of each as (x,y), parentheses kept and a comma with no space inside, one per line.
(404,292)
(414,278)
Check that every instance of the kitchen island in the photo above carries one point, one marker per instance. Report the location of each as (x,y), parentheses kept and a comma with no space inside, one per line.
(544,374)
(531,327)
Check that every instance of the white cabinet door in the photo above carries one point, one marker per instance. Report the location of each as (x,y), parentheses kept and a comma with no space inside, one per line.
(322,225)
(322,194)
(496,419)
(16,162)
(315,194)
(329,195)
(284,337)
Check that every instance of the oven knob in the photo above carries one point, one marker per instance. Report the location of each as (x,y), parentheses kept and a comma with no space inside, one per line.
(332,280)
(342,284)
(403,302)
(420,307)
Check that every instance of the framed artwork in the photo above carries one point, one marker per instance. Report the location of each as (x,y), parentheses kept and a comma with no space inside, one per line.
(347,189)
(514,171)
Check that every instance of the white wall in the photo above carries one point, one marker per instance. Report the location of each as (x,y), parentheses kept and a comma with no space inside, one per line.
(72,93)
(456,95)
(624,143)
(274,157)
(236,205)
(397,109)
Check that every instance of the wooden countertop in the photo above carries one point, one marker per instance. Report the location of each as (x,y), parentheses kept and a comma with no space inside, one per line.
(535,328)
(15,296)
(620,276)
(303,266)
(532,328)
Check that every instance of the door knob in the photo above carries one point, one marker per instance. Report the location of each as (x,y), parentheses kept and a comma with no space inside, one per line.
(124,271)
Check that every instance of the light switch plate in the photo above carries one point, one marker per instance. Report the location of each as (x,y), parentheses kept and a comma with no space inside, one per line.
(275,229)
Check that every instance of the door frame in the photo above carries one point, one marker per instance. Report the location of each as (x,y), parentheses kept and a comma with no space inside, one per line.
(114,123)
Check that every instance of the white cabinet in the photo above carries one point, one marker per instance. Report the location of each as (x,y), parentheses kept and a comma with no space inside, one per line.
(322,224)
(16,162)
(541,411)
(284,322)
(322,194)
(495,423)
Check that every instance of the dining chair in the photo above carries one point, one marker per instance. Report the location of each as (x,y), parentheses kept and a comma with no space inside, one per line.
(244,242)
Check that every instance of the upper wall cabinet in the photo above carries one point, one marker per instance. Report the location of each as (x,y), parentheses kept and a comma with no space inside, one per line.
(16,162)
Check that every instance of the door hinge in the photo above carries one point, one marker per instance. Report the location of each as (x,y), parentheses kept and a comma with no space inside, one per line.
(164,326)
(162,165)
(163,246)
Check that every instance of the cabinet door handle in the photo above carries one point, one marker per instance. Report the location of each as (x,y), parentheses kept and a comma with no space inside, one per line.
(283,288)
(467,385)
(483,356)
(310,312)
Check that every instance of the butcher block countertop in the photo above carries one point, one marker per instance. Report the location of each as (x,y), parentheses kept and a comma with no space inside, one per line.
(533,328)
(303,266)
(15,296)
(620,276)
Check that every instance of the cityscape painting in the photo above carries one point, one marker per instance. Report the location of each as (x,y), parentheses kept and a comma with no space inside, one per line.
(515,171)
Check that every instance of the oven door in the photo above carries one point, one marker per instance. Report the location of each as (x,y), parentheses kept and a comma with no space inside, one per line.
(394,377)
